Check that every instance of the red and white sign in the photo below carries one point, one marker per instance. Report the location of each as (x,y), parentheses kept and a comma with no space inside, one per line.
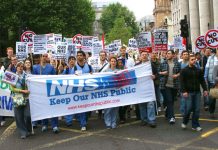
(200,42)
(27,36)
(77,40)
(211,38)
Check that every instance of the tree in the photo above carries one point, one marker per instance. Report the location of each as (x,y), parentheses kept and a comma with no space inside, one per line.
(120,31)
(44,16)
(114,11)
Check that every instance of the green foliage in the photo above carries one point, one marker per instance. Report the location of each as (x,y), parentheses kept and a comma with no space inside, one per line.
(114,11)
(120,31)
(68,17)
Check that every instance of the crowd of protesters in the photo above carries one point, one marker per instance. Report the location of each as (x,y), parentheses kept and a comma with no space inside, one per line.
(184,76)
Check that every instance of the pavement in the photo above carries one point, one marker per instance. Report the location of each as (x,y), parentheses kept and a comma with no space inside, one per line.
(128,136)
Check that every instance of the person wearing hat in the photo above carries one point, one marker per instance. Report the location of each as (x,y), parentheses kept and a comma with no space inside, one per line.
(21,104)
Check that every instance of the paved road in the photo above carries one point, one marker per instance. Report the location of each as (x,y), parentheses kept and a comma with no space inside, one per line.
(129,136)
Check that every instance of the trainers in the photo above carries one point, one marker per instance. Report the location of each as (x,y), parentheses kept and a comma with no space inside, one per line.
(44,128)
(83,129)
(172,121)
(152,125)
(3,123)
(23,136)
(55,130)
(197,129)
(183,126)
(159,109)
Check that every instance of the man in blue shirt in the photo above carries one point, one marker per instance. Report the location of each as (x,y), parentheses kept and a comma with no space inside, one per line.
(81,67)
(46,69)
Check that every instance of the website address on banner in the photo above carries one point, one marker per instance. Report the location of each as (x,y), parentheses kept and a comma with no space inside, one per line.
(95,104)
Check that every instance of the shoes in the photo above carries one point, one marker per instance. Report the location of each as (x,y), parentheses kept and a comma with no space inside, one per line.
(69,124)
(206,108)
(122,121)
(108,127)
(44,128)
(197,129)
(159,109)
(83,129)
(172,121)
(143,123)
(3,123)
(183,126)
(23,136)
(55,130)
(152,125)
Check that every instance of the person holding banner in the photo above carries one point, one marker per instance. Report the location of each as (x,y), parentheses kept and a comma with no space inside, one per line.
(80,68)
(147,110)
(45,68)
(111,114)
(21,104)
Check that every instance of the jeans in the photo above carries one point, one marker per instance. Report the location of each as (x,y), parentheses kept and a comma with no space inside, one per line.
(23,119)
(54,122)
(192,104)
(182,104)
(82,117)
(69,119)
(170,94)
(147,112)
(157,94)
(110,117)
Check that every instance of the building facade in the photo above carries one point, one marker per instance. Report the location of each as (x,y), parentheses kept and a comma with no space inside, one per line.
(202,15)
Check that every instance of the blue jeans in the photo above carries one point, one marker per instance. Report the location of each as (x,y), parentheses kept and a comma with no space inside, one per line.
(182,104)
(23,120)
(82,117)
(170,94)
(110,117)
(147,112)
(54,122)
(192,104)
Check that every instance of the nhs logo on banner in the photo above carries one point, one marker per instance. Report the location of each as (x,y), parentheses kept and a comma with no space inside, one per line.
(69,86)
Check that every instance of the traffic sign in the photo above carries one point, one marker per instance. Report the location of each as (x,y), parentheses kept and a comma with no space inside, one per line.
(211,38)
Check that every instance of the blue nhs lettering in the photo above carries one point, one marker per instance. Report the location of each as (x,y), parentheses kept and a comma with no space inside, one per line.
(63,87)
(69,86)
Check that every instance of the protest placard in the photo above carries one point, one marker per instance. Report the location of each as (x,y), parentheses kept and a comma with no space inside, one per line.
(161,40)
(211,38)
(21,50)
(87,42)
(39,44)
(200,43)
(97,47)
(144,41)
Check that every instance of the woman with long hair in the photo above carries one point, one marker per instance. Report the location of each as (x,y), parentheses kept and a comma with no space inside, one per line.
(20,102)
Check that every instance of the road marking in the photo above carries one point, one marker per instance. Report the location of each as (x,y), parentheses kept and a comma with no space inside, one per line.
(87,134)
(9,131)
(209,133)
(203,136)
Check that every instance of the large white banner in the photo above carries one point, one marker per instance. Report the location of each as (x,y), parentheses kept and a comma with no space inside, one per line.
(53,96)
(6,102)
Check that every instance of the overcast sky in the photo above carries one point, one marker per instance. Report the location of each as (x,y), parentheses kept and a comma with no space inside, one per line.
(140,8)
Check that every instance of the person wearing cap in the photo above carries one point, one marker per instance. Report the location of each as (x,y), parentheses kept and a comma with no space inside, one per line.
(22,111)
(45,68)
(209,78)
